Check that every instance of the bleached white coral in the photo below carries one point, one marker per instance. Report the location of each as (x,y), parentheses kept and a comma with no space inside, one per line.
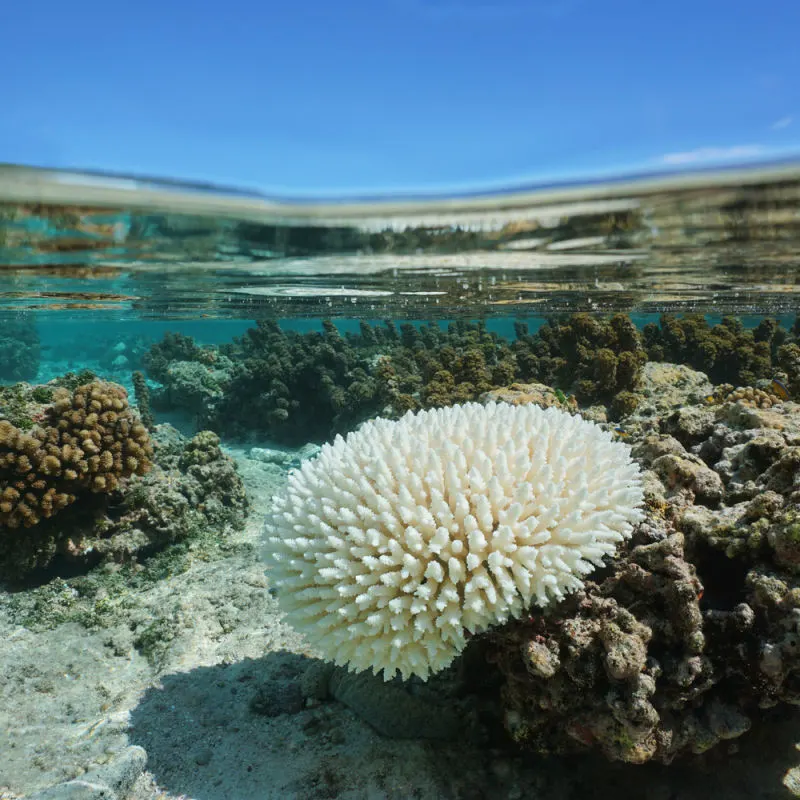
(394,542)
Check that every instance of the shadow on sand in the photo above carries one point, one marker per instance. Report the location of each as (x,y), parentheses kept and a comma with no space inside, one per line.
(244,731)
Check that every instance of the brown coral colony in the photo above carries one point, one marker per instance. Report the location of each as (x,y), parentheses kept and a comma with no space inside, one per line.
(89,440)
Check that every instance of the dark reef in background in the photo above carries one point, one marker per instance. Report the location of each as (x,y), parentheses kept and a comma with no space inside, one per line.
(727,353)
(294,387)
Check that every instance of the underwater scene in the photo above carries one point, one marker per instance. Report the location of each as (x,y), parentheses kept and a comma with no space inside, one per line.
(484,496)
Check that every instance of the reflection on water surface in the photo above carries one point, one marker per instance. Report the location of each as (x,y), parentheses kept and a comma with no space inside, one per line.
(724,242)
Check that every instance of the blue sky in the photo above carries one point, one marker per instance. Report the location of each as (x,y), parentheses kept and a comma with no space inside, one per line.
(308,96)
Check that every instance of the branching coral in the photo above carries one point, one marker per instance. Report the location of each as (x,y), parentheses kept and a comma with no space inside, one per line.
(86,441)
(395,544)
(434,368)
(726,352)
(173,347)
(314,385)
(191,492)
(788,357)
(594,358)
(299,387)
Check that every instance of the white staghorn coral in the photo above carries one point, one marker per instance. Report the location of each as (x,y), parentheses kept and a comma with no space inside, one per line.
(394,542)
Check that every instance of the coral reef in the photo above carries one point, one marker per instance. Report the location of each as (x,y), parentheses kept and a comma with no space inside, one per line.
(211,482)
(142,394)
(393,545)
(173,347)
(788,357)
(193,488)
(195,387)
(310,386)
(749,395)
(694,627)
(299,387)
(87,458)
(587,675)
(433,368)
(81,444)
(193,378)
(727,352)
(86,441)
(314,385)
(594,358)
(19,400)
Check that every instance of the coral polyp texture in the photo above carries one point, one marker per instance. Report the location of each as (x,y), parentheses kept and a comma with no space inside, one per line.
(85,442)
(395,543)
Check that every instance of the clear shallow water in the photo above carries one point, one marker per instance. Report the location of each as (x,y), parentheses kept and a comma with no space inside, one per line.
(715,242)
(94,272)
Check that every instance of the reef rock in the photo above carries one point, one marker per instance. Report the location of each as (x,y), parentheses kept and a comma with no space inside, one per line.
(190,488)
(695,628)
(193,386)
(666,387)
(523,393)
